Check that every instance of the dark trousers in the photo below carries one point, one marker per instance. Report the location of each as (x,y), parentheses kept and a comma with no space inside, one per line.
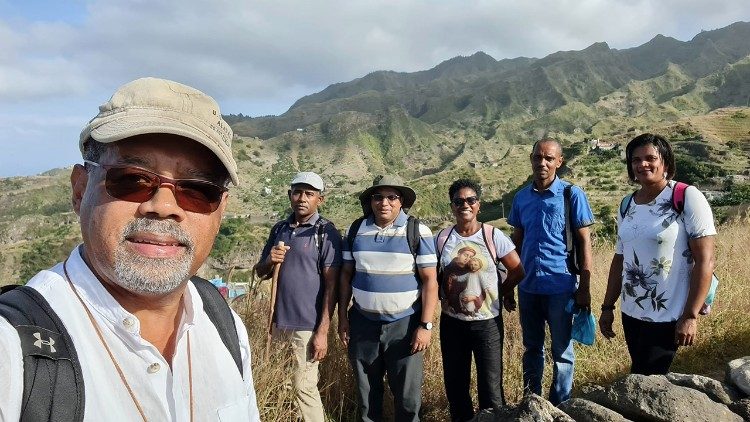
(377,349)
(651,345)
(458,341)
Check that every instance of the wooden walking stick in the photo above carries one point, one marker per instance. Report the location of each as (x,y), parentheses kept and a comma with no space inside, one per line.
(274,280)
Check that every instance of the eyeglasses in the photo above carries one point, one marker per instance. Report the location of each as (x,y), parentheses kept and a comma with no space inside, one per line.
(135,184)
(459,202)
(379,197)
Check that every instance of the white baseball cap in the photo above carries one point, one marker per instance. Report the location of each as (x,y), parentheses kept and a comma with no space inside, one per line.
(308,178)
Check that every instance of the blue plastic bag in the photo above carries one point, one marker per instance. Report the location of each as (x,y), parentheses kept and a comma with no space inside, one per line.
(584,324)
(706,308)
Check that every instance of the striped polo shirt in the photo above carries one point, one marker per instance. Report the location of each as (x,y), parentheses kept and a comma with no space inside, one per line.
(385,286)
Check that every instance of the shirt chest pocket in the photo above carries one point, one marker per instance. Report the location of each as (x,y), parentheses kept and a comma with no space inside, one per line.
(554,217)
(237,411)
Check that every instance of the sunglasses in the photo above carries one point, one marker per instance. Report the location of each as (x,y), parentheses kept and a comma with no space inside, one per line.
(135,184)
(459,202)
(379,197)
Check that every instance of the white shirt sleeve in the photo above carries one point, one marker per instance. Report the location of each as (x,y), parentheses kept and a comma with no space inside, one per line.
(11,372)
(697,215)
(254,414)
(503,244)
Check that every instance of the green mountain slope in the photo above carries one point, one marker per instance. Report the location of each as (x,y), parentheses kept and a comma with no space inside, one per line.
(466,117)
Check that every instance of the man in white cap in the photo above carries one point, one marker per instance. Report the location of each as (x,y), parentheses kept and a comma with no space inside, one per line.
(306,289)
(122,329)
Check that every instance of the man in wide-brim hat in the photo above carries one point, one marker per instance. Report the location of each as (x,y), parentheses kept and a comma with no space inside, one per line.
(407,194)
(390,269)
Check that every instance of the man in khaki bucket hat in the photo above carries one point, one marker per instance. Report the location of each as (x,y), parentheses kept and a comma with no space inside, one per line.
(389,269)
(153,341)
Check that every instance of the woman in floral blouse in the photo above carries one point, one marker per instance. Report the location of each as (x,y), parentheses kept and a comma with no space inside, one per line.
(663,261)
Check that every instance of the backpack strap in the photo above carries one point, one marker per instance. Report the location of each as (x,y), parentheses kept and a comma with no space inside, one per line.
(568,226)
(53,387)
(625,204)
(320,235)
(442,239)
(488,235)
(678,196)
(412,235)
(353,229)
(573,259)
(488,232)
(275,231)
(220,315)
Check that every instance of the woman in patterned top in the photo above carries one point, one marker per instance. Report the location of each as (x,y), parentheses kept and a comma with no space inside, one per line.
(471,322)
(663,261)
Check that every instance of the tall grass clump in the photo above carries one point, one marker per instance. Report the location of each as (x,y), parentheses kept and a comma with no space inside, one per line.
(723,335)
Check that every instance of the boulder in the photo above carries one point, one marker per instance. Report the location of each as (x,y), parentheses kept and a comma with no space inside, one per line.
(738,374)
(717,391)
(583,410)
(653,398)
(531,409)
(742,408)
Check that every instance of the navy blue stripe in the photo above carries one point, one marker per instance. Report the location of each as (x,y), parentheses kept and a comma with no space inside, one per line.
(385,317)
(385,283)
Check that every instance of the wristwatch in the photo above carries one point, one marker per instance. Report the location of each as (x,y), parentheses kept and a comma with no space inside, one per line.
(426,325)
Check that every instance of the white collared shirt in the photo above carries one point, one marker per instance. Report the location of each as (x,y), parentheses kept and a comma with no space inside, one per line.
(219,392)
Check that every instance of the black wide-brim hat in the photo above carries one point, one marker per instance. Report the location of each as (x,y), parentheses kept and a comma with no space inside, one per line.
(408,196)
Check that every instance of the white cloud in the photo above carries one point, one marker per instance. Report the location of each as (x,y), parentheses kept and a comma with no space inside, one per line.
(256,49)
(258,57)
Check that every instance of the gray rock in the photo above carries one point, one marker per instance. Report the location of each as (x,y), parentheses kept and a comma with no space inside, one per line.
(583,410)
(531,409)
(738,374)
(742,408)
(715,390)
(653,398)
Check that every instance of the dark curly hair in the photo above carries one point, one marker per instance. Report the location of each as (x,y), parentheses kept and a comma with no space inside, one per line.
(464,183)
(658,142)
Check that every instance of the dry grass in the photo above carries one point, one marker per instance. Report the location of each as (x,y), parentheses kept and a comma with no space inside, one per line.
(723,335)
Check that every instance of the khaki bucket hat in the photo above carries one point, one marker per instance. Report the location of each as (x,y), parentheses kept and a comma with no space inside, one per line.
(408,196)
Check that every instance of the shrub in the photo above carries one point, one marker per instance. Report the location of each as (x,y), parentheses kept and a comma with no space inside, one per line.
(691,171)
(739,193)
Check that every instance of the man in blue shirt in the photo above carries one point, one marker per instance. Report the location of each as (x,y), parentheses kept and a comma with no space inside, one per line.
(395,292)
(538,220)
(311,258)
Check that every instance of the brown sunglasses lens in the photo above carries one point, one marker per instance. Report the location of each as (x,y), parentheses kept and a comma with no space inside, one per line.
(134,184)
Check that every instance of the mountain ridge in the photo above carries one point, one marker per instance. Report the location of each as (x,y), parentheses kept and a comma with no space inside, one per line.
(468,116)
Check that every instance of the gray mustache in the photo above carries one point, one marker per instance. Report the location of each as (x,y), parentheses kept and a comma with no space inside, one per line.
(167,227)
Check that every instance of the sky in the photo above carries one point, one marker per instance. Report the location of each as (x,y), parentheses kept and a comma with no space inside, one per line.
(61,59)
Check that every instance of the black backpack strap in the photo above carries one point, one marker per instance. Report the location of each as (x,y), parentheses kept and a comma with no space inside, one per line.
(275,231)
(413,236)
(320,236)
(219,313)
(353,229)
(571,241)
(568,229)
(53,387)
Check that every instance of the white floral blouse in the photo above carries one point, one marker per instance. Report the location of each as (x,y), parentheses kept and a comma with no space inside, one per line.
(657,261)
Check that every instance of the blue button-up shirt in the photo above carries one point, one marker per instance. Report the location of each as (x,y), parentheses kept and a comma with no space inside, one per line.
(541,215)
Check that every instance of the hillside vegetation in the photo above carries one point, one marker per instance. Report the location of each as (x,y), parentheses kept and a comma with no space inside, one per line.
(466,117)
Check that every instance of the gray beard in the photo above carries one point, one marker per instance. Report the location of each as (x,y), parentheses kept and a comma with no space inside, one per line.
(152,276)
